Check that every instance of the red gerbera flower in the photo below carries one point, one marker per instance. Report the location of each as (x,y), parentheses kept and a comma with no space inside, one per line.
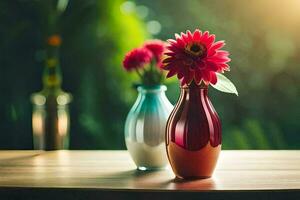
(137,58)
(157,47)
(195,56)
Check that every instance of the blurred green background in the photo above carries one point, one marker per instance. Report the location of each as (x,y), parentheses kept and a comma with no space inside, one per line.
(261,35)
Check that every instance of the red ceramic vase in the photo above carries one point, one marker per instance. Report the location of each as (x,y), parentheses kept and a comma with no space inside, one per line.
(193,134)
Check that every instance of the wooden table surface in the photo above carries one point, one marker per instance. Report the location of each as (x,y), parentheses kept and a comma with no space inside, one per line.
(112,174)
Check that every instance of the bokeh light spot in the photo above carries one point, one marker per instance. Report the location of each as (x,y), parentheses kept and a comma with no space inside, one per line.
(127,7)
(153,27)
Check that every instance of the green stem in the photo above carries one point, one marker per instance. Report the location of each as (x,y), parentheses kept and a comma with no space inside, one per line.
(152,71)
(151,66)
(139,73)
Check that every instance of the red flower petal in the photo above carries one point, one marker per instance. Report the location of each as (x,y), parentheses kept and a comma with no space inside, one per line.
(201,64)
(213,78)
(222,67)
(197,35)
(169,53)
(171,41)
(214,47)
(209,41)
(222,53)
(180,43)
(172,48)
(219,58)
(190,36)
(185,37)
(137,58)
(180,75)
(171,73)
(212,66)
(177,36)
(198,76)
(205,36)
(188,78)
(157,48)
(206,76)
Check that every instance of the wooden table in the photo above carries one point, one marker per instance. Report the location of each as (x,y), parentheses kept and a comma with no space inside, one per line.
(112,175)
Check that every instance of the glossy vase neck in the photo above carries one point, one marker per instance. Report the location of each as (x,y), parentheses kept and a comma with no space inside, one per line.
(194,94)
(151,89)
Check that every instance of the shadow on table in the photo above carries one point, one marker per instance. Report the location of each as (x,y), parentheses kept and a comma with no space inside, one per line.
(191,184)
(158,180)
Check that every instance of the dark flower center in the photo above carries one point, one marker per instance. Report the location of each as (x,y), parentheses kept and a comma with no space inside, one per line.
(195,49)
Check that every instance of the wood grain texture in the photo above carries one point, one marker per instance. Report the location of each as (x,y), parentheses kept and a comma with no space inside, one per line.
(112,172)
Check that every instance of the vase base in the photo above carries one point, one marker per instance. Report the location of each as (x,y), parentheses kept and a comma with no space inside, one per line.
(193,164)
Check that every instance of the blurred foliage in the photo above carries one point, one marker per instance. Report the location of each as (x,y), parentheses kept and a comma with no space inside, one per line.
(261,35)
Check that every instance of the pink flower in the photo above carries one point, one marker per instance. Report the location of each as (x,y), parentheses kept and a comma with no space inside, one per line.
(195,56)
(157,47)
(137,58)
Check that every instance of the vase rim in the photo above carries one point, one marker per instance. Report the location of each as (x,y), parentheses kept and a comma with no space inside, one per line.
(152,88)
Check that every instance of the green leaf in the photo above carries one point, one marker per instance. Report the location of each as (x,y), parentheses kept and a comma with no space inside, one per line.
(224,85)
